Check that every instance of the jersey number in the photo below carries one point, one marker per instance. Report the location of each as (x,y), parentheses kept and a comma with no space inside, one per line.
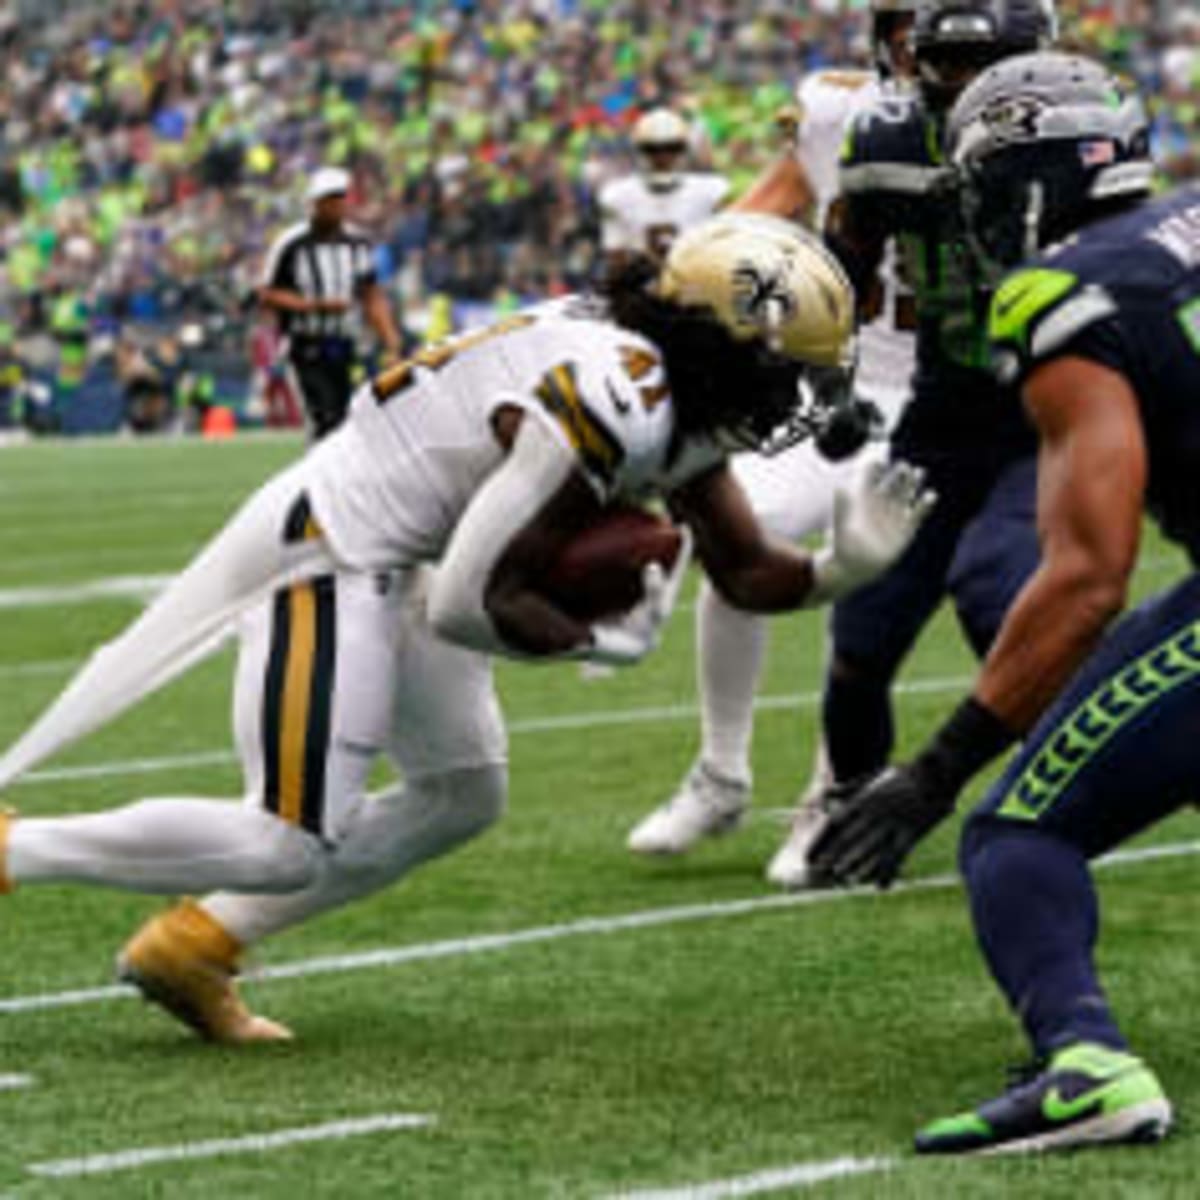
(396,379)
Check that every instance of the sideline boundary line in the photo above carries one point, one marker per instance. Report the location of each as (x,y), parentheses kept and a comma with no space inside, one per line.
(586,927)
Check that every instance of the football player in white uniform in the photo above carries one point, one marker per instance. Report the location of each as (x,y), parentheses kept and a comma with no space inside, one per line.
(483,455)
(645,212)
(791,493)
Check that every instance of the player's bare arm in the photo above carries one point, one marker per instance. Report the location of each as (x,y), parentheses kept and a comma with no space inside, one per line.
(782,189)
(751,570)
(1091,479)
(874,521)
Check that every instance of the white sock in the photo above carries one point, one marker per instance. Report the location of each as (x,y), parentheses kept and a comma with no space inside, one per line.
(164,846)
(729,652)
(393,832)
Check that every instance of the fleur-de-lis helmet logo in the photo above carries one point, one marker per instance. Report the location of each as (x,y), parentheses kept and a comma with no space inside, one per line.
(761,296)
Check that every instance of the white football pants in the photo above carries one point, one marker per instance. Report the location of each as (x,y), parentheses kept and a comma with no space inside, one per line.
(335,668)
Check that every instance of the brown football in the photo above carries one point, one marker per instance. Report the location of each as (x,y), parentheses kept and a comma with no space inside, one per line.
(598,573)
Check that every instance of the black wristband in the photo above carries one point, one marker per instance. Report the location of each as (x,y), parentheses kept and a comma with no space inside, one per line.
(967,742)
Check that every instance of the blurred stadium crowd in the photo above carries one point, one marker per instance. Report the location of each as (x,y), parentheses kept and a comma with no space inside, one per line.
(149,152)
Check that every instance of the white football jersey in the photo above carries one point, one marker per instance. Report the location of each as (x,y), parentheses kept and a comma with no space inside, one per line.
(828,102)
(389,486)
(633,217)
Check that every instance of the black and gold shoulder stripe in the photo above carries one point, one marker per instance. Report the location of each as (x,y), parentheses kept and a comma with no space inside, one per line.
(298,700)
(299,525)
(598,448)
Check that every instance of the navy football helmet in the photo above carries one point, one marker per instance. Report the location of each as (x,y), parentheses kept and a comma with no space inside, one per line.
(953,40)
(1043,143)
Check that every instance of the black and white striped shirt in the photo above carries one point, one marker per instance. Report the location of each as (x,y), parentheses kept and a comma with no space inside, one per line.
(334,267)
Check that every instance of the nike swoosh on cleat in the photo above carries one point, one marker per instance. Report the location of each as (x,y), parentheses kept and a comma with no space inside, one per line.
(1055,1107)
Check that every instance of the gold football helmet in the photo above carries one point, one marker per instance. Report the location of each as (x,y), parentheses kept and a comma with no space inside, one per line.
(770,285)
(660,137)
(765,278)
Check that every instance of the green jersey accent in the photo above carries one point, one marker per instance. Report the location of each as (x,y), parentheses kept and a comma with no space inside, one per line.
(1189,318)
(1022,297)
(1112,706)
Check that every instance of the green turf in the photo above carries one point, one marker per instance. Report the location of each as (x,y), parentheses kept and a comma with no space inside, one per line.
(594,1064)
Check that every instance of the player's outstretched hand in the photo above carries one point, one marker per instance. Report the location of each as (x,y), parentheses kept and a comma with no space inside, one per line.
(874,519)
(627,640)
(871,834)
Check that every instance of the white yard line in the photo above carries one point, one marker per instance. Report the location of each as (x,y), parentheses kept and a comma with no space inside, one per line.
(580,720)
(11,1083)
(761,1182)
(118,587)
(257,1143)
(587,927)
(42,666)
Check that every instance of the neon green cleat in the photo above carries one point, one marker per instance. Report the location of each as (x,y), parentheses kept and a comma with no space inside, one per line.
(1088,1095)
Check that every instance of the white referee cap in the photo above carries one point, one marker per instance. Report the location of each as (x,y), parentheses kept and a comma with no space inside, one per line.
(327,181)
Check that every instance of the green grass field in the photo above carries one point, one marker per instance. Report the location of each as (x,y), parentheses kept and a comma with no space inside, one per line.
(651,1027)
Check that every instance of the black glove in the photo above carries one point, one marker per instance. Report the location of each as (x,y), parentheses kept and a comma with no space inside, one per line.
(845,428)
(871,833)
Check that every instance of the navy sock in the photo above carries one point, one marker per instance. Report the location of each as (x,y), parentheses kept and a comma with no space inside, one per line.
(1036,919)
(857,716)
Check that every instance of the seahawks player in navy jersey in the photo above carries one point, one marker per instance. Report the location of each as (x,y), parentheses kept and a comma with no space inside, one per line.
(1102,335)
(980,544)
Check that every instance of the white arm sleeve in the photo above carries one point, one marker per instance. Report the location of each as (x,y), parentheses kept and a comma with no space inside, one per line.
(536,467)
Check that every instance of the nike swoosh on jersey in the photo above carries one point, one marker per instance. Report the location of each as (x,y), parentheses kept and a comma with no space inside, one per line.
(619,402)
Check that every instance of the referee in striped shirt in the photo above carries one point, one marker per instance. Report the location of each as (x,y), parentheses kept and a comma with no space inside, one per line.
(315,274)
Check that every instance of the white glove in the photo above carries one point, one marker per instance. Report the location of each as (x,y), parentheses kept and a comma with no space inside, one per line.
(628,640)
(874,519)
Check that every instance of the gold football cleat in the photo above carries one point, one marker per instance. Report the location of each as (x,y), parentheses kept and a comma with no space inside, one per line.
(185,961)
(7,816)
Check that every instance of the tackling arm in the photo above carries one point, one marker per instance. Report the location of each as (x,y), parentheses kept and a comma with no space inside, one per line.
(1091,479)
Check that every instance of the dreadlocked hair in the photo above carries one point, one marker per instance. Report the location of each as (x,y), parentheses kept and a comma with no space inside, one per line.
(717,381)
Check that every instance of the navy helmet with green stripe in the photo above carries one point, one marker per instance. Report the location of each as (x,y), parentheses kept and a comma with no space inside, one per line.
(1045,143)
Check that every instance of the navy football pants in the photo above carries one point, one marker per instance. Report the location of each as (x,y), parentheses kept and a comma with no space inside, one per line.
(1117,751)
(978,546)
